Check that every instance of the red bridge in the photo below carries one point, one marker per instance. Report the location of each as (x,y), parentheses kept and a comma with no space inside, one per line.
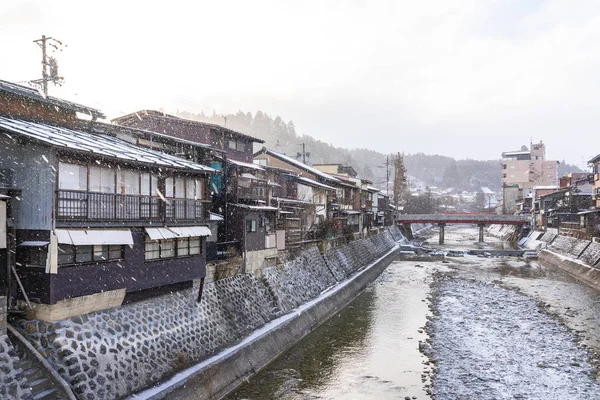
(480,219)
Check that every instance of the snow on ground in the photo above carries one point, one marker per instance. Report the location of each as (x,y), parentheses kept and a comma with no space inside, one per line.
(490,342)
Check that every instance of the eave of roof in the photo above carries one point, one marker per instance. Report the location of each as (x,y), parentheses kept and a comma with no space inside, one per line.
(298,164)
(311,182)
(97,144)
(157,114)
(594,160)
(34,94)
(113,129)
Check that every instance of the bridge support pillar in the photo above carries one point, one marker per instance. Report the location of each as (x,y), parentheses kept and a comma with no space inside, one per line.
(442,232)
(481,226)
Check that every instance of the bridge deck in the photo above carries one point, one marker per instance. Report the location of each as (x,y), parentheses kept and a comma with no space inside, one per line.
(487,219)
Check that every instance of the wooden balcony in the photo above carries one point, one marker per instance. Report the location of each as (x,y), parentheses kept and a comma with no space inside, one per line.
(77,206)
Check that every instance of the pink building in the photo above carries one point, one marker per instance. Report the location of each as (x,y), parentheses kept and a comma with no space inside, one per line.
(523,170)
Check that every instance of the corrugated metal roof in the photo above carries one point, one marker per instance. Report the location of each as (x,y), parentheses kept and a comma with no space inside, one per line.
(103,145)
(34,94)
(311,182)
(300,165)
(139,115)
(245,164)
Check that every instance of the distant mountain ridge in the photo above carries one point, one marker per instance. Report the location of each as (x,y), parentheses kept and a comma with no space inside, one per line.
(423,169)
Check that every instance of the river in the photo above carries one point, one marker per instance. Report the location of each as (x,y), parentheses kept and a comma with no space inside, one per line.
(541,325)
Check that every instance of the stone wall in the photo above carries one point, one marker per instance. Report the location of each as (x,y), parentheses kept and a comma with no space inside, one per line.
(504,232)
(3,314)
(109,354)
(13,383)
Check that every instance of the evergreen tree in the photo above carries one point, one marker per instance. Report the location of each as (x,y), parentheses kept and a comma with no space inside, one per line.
(400,181)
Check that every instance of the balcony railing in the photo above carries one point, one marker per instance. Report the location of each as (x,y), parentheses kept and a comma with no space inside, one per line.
(83,206)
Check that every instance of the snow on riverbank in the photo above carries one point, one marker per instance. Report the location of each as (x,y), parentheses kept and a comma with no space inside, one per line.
(489,342)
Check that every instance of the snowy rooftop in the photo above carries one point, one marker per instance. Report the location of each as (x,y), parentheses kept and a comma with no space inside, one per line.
(516,153)
(311,182)
(34,94)
(298,164)
(102,145)
(139,115)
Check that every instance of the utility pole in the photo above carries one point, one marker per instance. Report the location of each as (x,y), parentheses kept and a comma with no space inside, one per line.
(387,174)
(48,61)
(304,154)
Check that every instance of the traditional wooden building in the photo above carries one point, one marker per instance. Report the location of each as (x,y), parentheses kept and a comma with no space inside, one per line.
(240,193)
(96,220)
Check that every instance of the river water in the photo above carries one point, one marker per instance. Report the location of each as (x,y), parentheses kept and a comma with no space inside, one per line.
(373,348)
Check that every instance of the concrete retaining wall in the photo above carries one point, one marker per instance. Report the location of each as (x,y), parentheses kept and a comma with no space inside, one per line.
(575,268)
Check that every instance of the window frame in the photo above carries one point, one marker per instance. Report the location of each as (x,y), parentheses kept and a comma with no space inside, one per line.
(93,259)
(191,244)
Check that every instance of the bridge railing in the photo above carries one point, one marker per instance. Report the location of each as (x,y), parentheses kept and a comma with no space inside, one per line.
(464,218)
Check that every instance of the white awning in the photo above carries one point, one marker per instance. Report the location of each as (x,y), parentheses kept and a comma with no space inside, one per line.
(33,243)
(85,237)
(177,232)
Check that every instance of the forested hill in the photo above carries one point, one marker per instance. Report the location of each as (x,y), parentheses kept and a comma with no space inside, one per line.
(423,169)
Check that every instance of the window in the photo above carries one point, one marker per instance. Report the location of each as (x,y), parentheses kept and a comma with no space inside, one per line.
(102,180)
(238,145)
(504,175)
(72,176)
(183,247)
(195,245)
(171,248)
(36,256)
(180,188)
(250,225)
(550,176)
(169,187)
(129,182)
(550,166)
(68,254)
(148,184)
(512,167)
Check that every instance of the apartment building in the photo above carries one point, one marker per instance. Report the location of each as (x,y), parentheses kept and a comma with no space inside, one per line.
(524,169)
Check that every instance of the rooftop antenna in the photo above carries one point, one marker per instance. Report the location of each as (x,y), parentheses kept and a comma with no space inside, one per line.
(53,76)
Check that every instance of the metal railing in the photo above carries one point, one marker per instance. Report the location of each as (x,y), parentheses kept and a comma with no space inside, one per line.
(74,205)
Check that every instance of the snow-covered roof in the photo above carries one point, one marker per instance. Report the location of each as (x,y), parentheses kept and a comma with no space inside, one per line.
(141,114)
(257,208)
(34,94)
(515,153)
(300,165)
(101,145)
(245,164)
(373,189)
(216,217)
(486,190)
(311,182)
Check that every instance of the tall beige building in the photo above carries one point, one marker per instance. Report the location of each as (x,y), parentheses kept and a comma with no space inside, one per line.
(525,169)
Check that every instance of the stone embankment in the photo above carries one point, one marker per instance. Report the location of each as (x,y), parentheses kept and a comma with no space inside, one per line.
(117,352)
(579,258)
(503,232)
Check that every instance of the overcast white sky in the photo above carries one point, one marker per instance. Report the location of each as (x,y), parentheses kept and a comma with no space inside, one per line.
(464,78)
